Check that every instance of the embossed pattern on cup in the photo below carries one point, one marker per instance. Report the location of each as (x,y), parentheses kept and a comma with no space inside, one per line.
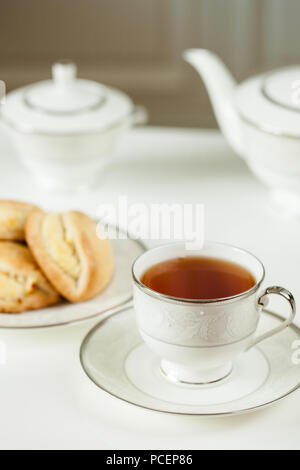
(196,325)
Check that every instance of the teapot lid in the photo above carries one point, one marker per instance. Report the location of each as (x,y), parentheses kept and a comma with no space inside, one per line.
(272,101)
(65,104)
(282,87)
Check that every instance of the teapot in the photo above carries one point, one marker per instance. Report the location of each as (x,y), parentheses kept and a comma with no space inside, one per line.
(260,118)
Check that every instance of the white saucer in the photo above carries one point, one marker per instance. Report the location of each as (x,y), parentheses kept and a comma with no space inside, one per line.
(116,360)
(117,293)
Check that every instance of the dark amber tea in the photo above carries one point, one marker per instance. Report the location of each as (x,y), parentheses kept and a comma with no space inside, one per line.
(198,278)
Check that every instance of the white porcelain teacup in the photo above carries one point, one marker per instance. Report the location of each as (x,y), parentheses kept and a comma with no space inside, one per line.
(197,340)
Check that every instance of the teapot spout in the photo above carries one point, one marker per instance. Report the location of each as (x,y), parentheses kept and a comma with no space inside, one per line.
(220,86)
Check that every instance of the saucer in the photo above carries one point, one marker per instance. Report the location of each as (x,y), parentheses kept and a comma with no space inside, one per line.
(115,358)
(117,293)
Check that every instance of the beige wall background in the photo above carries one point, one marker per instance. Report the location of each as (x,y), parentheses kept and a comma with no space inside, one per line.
(136,45)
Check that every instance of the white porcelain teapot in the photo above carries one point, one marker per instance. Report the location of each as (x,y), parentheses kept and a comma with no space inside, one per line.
(260,118)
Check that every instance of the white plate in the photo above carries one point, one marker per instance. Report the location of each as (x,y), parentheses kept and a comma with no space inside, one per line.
(116,360)
(116,294)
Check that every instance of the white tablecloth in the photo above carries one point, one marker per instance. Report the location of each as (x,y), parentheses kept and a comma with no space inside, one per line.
(46,400)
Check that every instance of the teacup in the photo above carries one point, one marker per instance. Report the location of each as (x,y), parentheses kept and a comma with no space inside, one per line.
(198,340)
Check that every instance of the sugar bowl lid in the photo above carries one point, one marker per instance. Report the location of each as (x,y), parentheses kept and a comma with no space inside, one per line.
(65,104)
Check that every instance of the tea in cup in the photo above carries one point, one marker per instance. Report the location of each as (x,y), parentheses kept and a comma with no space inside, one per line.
(199,309)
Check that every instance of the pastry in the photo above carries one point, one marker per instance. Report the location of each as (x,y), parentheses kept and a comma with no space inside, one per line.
(22,284)
(70,253)
(13,216)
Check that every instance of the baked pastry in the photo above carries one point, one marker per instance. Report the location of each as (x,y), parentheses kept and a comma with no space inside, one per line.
(13,215)
(70,253)
(22,284)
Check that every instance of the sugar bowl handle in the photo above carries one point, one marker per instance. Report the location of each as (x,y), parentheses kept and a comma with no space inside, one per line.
(261,301)
(139,115)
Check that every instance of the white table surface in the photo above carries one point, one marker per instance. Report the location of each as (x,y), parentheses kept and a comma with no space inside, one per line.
(46,399)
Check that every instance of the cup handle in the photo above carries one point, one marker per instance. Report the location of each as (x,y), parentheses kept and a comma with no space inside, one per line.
(262,301)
